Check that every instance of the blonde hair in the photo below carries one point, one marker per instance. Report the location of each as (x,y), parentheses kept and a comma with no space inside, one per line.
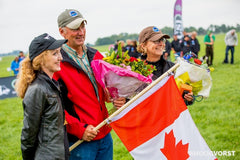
(28,72)
(141,49)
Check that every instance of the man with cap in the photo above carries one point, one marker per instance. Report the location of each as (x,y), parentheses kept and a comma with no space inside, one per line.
(209,41)
(152,45)
(43,133)
(83,97)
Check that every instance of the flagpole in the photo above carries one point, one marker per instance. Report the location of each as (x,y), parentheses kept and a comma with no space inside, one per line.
(107,120)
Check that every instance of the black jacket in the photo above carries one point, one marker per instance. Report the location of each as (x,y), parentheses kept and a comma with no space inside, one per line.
(162,66)
(186,46)
(195,46)
(43,132)
(132,51)
(176,45)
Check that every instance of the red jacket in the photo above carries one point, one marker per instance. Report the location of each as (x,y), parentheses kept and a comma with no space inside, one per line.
(82,107)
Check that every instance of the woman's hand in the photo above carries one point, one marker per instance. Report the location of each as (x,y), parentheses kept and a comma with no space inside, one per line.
(189,96)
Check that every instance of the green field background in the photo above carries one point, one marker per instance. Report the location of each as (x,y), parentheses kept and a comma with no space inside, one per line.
(217,118)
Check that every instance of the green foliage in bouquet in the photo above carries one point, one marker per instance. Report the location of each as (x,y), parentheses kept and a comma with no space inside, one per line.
(122,59)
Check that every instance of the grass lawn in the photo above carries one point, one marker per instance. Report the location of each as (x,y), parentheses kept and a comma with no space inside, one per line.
(217,117)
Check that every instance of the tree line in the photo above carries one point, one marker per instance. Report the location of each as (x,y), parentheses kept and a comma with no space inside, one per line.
(167,30)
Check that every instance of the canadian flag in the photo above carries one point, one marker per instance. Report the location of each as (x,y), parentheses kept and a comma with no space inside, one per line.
(158,126)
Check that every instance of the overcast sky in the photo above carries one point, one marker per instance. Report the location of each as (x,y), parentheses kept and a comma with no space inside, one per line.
(22,20)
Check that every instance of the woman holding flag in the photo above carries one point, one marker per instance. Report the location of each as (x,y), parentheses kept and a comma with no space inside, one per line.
(152,45)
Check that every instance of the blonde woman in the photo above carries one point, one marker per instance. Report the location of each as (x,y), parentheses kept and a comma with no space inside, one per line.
(43,132)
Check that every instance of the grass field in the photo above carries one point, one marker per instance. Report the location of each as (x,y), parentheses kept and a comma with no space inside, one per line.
(217,117)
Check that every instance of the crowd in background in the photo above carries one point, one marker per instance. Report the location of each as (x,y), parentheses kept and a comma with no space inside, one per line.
(131,47)
(189,44)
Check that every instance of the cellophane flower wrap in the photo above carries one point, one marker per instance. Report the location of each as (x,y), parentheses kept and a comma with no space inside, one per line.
(195,73)
(120,74)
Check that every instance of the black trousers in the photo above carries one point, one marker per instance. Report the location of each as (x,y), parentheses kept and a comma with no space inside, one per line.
(209,55)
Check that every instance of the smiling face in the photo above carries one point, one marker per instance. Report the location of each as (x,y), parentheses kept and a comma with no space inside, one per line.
(75,37)
(51,62)
(154,49)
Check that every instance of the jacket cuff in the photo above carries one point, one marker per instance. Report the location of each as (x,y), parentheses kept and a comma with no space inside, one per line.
(85,125)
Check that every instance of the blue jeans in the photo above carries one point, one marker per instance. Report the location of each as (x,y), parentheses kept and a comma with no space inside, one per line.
(231,48)
(94,150)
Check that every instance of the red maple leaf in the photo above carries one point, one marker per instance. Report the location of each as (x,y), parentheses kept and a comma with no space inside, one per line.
(172,151)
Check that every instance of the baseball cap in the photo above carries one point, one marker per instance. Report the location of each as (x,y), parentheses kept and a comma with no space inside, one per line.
(151,33)
(209,32)
(70,18)
(42,43)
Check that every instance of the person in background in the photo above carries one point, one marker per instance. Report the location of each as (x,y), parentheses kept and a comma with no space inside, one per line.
(116,46)
(21,56)
(231,40)
(83,98)
(122,45)
(129,44)
(128,47)
(134,52)
(43,133)
(209,39)
(152,45)
(132,49)
(15,66)
(195,46)
(167,51)
(185,45)
(185,33)
(176,47)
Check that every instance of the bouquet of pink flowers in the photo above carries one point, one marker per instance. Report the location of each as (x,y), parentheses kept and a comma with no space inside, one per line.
(120,74)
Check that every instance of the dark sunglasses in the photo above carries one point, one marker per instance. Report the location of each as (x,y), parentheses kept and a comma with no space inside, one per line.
(159,41)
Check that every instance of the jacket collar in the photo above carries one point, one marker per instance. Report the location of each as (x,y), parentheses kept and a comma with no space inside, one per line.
(90,53)
(41,75)
(161,61)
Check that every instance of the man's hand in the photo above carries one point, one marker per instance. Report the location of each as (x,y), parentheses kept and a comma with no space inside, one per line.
(119,102)
(89,133)
(107,95)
